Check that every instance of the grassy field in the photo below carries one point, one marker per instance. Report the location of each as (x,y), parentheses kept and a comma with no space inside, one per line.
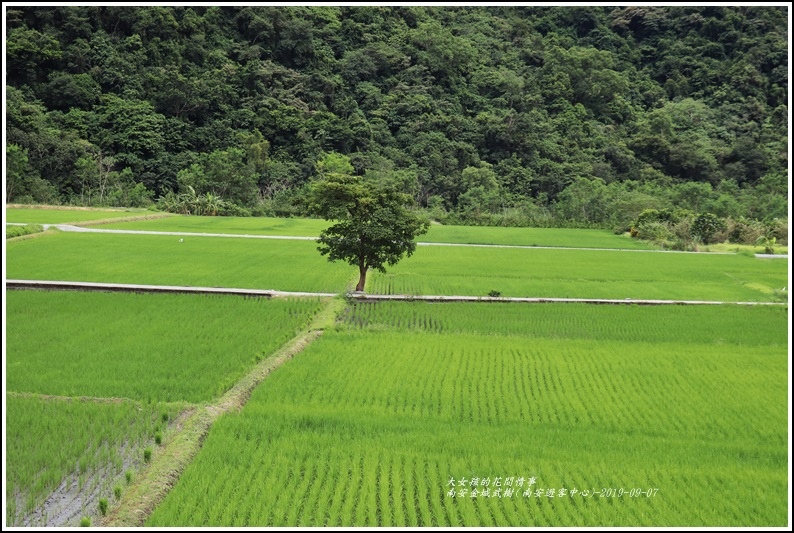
(583,274)
(380,420)
(163,260)
(304,227)
(297,266)
(370,424)
(556,237)
(298,227)
(55,440)
(449,234)
(150,347)
(18,231)
(737,248)
(65,215)
(717,325)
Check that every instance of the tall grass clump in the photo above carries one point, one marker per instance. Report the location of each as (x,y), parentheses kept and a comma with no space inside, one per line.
(18,231)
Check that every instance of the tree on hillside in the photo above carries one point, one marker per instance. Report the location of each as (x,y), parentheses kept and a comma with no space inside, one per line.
(489,107)
(374,225)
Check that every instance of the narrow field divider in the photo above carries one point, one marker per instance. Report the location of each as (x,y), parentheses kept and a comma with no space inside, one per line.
(93,399)
(132,287)
(361,297)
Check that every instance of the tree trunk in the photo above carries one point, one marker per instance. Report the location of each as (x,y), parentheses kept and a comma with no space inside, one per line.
(362,279)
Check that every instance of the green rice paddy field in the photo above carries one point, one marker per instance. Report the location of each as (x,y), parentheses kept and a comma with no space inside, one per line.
(389,418)
(295,227)
(163,260)
(90,375)
(576,238)
(297,266)
(565,414)
(150,347)
(583,274)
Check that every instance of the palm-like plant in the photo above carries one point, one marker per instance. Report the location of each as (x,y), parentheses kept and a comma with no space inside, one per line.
(768,242)
(190,203)
(209,204)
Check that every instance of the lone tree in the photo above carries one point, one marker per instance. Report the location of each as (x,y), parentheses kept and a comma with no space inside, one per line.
(374,225)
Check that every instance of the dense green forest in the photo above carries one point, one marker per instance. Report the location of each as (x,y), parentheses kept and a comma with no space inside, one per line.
(487,115)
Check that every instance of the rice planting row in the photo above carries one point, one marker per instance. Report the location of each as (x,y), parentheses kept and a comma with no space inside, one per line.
(374,427)
(150,347)
(171,260)
(297,266)
(583,274)
(719,325)
(513,370)
(61,443)
(64,216)
(437,233)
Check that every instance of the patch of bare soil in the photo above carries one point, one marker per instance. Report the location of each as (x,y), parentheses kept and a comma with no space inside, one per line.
(78,494)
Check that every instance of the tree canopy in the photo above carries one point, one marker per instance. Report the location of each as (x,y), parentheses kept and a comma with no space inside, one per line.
(490,110)
(374,225)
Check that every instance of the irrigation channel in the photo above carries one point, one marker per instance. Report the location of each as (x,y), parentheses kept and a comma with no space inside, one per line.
(357,296)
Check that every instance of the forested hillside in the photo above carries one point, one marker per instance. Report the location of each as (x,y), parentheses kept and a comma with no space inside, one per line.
(525,115)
